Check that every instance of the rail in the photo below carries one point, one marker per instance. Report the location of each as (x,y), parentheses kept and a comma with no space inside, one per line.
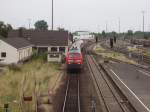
(111,96)
(72,94)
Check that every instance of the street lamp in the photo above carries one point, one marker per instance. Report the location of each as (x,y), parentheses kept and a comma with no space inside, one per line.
(29,22)
(52,14)
(106,27)
(119,25)
(143,12)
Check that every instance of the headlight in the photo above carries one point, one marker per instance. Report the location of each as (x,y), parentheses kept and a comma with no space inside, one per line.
(77,61)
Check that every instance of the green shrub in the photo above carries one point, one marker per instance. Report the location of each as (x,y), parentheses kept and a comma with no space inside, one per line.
(14,67)
(42,56)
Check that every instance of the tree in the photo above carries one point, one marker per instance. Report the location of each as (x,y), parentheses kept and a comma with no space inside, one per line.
(99,35)
(41,25)
(9,27)
(75,33)
(4,29)
(130,33)
(114,33)
(60,29)
(103,34)
(138,32)
(146,36)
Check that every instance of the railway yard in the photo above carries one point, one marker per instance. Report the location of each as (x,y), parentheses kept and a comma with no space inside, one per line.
(108,84)
(75,56)
(109,81)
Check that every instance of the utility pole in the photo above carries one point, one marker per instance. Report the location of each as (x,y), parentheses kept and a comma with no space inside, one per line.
(106,27)
(29,22)
(119,25)
(52,14)
(143,12)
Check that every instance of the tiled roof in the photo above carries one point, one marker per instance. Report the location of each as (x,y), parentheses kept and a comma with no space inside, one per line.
(42,38)
(17,42)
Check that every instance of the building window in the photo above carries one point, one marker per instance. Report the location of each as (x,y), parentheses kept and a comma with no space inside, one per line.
(3,54)
(62,49)
(54,56)
(54,49)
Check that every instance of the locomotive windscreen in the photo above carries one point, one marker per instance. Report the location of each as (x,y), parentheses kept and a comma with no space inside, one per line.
(74,55)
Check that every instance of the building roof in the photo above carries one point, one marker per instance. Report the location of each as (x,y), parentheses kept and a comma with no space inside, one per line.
(17,42)
(42,38)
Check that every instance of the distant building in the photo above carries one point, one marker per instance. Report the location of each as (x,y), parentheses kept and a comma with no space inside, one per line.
(84,35)
(14,50)
(45,41)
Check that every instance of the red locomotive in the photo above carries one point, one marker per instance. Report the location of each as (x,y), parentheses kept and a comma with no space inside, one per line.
(74,59)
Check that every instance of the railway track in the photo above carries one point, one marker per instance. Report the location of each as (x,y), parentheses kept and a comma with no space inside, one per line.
(138,56)
(110,96)
(72,96)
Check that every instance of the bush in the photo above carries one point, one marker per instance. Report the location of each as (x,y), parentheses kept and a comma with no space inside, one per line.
(14,67)
(63,60)
(42,56)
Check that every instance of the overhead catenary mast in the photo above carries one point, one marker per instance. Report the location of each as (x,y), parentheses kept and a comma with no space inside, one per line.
(106,27)
(143,12)
(29,23)
(119,25)
(52,14)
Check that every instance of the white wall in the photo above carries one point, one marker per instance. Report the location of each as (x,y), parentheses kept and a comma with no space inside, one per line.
(11,53)
(84,37)
(54,59)
(24,53)
(66,48)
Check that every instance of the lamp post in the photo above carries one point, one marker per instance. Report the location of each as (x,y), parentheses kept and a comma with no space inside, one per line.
(143,12)
(106,27)
(29,22)
(52,14)
(119,25)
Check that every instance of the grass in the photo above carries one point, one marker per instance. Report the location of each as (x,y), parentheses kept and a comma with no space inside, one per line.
(131,49)
(146,53)
(99,49)
(114,55)
(141,51)
(37,70)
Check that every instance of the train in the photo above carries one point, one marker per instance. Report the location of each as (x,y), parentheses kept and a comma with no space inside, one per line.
(74,57)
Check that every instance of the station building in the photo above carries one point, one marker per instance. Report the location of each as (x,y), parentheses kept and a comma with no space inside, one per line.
(14,50)
(54,43)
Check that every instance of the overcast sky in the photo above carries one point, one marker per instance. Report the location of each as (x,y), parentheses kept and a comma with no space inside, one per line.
(74,15)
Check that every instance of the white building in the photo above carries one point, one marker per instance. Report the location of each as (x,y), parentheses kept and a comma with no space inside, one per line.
(83,35)
(14,50)
(56,53)
(54,57)
(52,42)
